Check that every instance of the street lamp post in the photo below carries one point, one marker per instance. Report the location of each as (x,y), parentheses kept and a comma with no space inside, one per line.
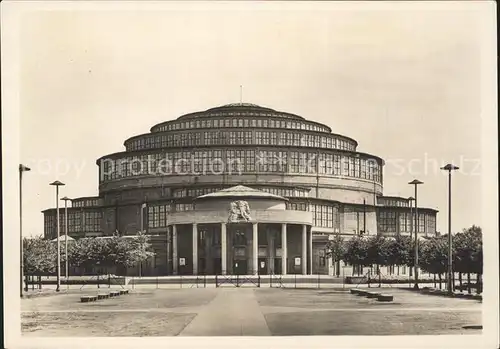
(416,182)
(22,169)
(411,199)
(143,206)
(57,184)
(66,231)
(450,168)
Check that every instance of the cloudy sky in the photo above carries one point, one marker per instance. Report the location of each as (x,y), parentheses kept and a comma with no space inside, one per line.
(404,81)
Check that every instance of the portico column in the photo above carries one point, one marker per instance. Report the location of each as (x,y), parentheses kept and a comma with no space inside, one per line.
(271,252)
(169,255)
(304,250)
(223,248)
(195,249)
(255,248)
(310,252)
(284,250)
(175,260)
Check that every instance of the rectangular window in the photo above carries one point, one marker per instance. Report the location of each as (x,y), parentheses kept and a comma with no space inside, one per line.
(302,162)
(402,222)
(265,137)
(183,207)
(294,162)
(249,160)
(356,167)
(273,138)
(430,223)
(352,167)
(324,215)
(421,223)
(258,137)
(336,164)
(363,168)
(157,215)
(387,221)
(346,162)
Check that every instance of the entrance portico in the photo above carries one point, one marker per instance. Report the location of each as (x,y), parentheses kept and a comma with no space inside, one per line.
(243,248)
(265,239)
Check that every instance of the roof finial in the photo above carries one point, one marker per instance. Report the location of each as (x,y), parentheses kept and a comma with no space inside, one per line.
(241,94)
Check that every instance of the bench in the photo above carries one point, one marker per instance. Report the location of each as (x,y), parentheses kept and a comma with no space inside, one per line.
(123,292)
(86,299)
(385,298)
(372,295)
(102,296)
(114,293)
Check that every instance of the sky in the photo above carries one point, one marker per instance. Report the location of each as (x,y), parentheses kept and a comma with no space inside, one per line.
(403,81)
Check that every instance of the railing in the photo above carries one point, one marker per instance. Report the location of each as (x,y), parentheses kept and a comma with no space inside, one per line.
(237,280)
(469,284)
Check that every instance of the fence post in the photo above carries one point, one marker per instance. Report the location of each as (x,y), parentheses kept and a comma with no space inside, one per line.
(156,281)
(205,281)
(295,280)
(237,280)
(109,281)
(216,280)
(271,281)
(180,280)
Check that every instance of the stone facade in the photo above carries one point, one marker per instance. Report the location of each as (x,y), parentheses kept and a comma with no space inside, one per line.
(329,186)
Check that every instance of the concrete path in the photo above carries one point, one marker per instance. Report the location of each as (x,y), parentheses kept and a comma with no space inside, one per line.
(233,312)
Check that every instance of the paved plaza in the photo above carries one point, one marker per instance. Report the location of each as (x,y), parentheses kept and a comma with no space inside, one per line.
(243,311)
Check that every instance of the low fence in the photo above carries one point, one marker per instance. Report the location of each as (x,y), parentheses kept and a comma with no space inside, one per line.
(288,281)
(215,281)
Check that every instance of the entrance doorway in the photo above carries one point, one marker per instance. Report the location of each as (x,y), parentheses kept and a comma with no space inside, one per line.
(240,267)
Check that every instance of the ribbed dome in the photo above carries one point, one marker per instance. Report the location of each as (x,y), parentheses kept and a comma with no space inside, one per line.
(241,192)
(239,105)
(241,108)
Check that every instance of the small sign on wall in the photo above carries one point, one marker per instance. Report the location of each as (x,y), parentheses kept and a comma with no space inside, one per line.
(182,261)
(262,264)
(297,261)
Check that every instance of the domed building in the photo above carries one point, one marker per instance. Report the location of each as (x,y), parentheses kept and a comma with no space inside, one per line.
(240,189)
